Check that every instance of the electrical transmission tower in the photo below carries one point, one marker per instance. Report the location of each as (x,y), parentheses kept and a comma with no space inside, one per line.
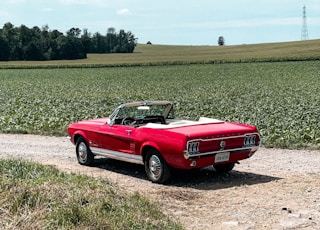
(304,32)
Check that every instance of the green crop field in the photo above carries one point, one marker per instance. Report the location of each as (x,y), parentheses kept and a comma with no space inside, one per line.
(281,98)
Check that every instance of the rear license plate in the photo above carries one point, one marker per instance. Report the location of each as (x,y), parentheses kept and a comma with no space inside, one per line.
(221,157)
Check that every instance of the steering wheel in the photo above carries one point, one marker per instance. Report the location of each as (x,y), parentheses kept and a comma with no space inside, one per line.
(129,121)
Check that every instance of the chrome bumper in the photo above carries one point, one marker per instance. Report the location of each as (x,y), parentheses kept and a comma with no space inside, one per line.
(187,155)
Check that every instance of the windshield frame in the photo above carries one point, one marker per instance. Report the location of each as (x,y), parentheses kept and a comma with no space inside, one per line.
(140,109)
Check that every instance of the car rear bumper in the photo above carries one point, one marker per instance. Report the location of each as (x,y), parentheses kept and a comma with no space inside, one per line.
(187,155)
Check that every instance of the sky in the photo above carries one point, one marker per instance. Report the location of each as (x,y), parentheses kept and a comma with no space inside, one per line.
(169,22)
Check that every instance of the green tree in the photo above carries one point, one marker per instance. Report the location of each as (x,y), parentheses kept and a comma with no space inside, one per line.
(70,48)
(53,53)
(221,41)
(11,35)
(111,39)
(99,43)
(87,41)
(4,47)
(23,43)
(74,32)
(32,52)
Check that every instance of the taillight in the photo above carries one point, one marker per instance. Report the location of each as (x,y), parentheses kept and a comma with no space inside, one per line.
(249,140)
(193,147)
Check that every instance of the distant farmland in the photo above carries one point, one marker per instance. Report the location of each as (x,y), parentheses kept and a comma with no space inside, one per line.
(147,55)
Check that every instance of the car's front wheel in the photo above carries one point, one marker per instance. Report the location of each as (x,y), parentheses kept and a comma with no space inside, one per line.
(84,154)
(224,167)
(157,170)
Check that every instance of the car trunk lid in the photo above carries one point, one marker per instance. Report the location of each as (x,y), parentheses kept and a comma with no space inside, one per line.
(213,129)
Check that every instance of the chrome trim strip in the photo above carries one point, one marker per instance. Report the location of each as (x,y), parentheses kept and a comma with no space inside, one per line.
(249,149)
(224,138)
(137,159)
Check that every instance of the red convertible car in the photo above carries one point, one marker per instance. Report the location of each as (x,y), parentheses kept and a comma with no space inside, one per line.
(147,133)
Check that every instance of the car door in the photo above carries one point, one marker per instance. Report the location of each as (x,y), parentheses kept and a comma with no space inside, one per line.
(117,138)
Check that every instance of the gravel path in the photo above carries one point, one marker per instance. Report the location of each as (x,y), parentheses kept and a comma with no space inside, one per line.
(275,189)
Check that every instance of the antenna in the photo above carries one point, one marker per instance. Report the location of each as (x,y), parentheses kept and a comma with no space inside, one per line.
(304,32)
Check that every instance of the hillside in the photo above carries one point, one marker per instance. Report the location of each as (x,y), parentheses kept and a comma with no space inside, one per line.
(167,54)
(269,51)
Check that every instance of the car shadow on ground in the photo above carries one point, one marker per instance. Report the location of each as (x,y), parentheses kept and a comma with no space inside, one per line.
(209,179)
(203,179)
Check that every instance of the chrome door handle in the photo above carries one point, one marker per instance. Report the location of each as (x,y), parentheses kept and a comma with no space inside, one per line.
(129,132)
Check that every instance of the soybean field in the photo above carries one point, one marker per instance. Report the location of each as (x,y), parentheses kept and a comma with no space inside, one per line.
(281,98)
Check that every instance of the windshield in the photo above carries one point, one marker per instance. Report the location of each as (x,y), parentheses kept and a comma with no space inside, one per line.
(139,112)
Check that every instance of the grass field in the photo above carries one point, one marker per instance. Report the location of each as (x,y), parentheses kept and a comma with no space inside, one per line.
(280,98)
(171,55)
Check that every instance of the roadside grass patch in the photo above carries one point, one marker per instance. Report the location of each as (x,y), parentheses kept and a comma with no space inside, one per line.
(34,196)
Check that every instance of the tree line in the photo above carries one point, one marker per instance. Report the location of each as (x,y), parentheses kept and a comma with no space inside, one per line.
(35,44)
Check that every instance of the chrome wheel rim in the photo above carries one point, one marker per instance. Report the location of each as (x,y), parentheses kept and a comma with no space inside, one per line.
(155,167)
(82,152)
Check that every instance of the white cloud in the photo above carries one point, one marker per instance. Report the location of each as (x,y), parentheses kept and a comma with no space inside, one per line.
(83,2)
(71,2)
(123,11)
(14,1)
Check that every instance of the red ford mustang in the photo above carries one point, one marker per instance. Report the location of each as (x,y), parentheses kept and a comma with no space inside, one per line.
(147,133)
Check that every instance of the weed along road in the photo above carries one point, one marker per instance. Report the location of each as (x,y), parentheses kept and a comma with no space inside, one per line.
(275,189)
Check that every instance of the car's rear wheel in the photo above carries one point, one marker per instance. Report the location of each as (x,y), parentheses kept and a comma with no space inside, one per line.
(84,154)
(224,167)
(157,170)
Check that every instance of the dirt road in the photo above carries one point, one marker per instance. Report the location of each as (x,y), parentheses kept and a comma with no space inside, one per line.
(275,189)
